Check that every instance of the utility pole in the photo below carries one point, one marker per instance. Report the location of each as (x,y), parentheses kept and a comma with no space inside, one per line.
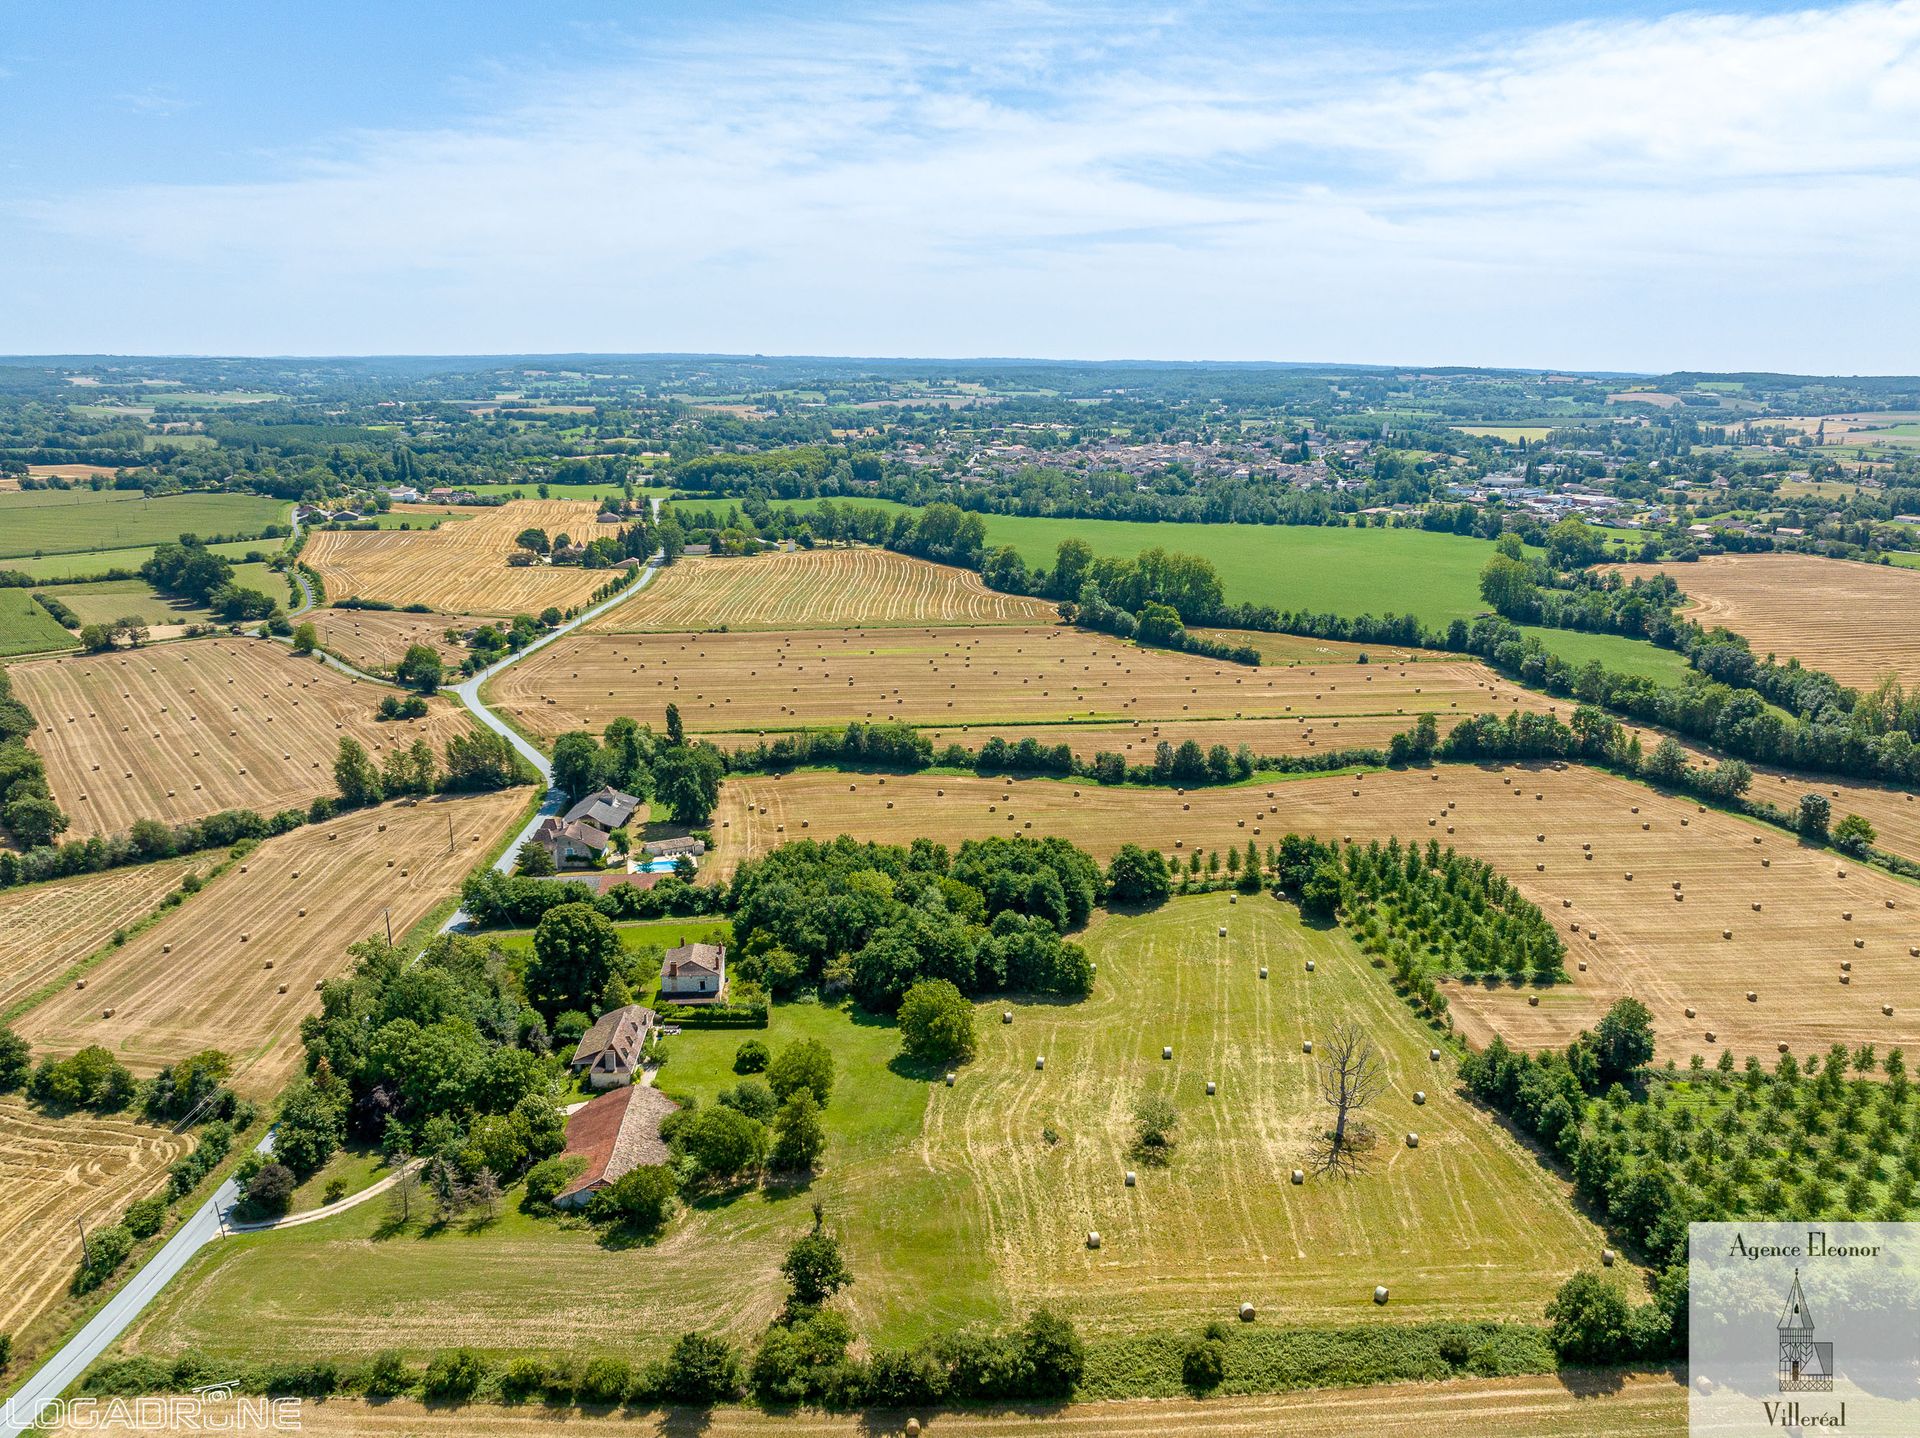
(449,833)
(86,1249)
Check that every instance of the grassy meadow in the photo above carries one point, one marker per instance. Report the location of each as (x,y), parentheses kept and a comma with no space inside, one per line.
(26,628)
(69,521)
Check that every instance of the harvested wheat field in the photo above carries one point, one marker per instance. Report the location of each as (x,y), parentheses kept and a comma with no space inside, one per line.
(184,730)
(817,589)
(378,639)
(1855,621)
(772,683)
(52,1172)
(235,967)
(1661,935)
(460,568)
(1652,1405)
(46,927)
(1304,649)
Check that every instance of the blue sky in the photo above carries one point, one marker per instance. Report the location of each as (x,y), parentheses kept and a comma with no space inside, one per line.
(1631,186)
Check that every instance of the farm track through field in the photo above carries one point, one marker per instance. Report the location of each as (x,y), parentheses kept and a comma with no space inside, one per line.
(1635,935)
(45,928)
(818,589)
(1634,1406)
(460,568)
(54,1170)
(200,978)
(180,731)
(1854,621)
(748,684)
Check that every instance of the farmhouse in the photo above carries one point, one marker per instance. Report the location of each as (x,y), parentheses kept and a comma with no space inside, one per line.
(694,974)
(606,809)
(615,1134)
(570,843)
(611,1050)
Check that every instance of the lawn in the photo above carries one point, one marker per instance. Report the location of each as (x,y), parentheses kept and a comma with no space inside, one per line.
(642,934)
(68,521)
(972,1203)
(83,563)
(26,628)
(1616,652)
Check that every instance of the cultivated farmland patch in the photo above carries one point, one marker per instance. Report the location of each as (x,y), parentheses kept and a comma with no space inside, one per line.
(1661,935)
(180,731)
(746,684)
(46,927)
(460,568)
(817,589)
(235,967)
(378,639)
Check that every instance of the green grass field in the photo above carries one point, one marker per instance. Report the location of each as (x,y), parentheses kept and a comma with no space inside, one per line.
(972,1203)
(641,934)
(1616,652)
(105,600)
(68,521)
(82,563)
(26,628)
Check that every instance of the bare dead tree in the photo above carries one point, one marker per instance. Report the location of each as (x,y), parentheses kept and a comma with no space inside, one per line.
(1351,1077)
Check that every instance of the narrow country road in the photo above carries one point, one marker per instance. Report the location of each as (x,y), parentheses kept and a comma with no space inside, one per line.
(207,1223)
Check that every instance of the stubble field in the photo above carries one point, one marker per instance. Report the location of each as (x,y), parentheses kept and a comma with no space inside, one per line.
(460,568)
(748,684)
(52,1172)
(378,639)
(180,731)
(1855,621)
(44,928)
(1635,936)
(817,589)
(235,967)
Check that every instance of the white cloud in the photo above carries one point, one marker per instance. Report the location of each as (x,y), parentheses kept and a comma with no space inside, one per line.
(1031,179)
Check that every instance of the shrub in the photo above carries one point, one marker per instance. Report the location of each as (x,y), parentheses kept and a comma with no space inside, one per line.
(1590,1320)
(752,1097)
(1204,1364)
(805,1063)
(546,1179)
(386,1375)
(604,1381)
(16,1059)
(107,1248)
(642,1197)
(271,1189)
(750,1058)
(453,1375)
(700,1370)
(145,1216)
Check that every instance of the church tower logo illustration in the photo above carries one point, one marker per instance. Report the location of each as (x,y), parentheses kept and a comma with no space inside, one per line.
(1805,1366)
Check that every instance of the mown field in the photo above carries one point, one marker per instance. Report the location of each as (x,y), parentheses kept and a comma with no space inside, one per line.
(47,927)
(749,683)
(460,568)
(377,639)
(1634,934)
(1630,1406)
(54,1171)
(102,601)
(817,589)
(954,1207)
(235,966)
(26,628)
(1855,621)
(67,521)
(182,730)
(99,561)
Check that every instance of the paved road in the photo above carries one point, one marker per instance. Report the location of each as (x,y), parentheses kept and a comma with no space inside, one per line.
(118,1314)
(207,1223)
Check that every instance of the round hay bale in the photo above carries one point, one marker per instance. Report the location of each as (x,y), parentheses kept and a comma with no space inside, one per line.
(1040,1061)
(1782,1048)
(1766,863)
(1223,931)
(1093,1238)
(1309,965)
(1887,1009)
(166,948)
(1380,1294)
(1235,898)
(1298,1178)
(1166,1051)
(1413,1140)
(1210,1088)
(1756,906)
(913,1428)
(1246,1313)
(106,1013)
(949,1078)
(1629,876)
(1846,978)
(1847,915)
(1752,997)
(1583,966)
(1859,943)
(1433,1056)
(1419,1096)
(1711,1035)
(1606,1258)
(1306,1046)
(1263,971)
(1726,933)
(1006,1016)
(1130,1178)
(1533,1001)
(281,990)
(1689,1010)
